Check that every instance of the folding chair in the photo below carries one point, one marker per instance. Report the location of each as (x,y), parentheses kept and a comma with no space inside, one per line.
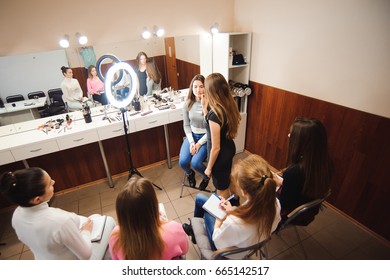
(307,211)
(202,241)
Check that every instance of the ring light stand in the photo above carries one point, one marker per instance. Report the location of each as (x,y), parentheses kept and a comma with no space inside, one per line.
(109,82)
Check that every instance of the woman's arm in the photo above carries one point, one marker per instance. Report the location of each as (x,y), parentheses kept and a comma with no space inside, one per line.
(215,131)
(77,242)
(90,87)
(186,124)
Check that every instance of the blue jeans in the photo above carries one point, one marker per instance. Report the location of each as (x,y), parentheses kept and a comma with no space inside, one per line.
(186,160)
(209,220)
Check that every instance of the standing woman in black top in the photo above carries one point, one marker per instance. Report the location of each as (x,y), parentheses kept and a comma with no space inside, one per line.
(140,70)
(222,120)
(309,167)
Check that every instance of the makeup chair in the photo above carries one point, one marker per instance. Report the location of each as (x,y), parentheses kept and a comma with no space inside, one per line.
(57,105)
(202,241)
(301,216)
(14,98)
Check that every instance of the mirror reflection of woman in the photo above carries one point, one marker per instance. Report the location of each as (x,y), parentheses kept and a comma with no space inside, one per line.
(72,93)
(141,72)
(153,80)
(95,86)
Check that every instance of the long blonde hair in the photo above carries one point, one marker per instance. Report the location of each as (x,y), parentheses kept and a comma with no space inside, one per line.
(220,99)
(152,70)
(254,177)
(139,235)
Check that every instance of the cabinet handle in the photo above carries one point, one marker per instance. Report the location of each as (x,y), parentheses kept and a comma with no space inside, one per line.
(36,150)
(153,121)
(117,130)
(78,140)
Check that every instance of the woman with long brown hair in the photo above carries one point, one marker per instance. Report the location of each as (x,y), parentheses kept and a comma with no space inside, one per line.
(141,234)
(153,81)
(193,151)
(222,118)
(309,167)
(255,219)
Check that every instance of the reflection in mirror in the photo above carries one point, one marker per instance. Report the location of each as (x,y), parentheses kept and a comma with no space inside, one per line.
(120,91)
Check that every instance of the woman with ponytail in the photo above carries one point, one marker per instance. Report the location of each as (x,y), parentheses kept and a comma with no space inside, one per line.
(50,233)
(255,219)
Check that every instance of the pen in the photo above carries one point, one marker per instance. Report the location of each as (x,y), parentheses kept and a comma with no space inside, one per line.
(230,197)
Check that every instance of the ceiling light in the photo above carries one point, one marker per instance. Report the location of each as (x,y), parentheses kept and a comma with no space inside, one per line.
(64,42)
(158,31)
(82,39)
(146,34)
(214,28)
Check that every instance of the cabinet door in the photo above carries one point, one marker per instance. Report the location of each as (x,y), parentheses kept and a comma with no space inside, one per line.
(240,138)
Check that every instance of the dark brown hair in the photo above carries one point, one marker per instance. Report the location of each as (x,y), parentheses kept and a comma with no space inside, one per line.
(308,148)
(23,185)
(90,71)
(64,69)
(139,57)
(152,70)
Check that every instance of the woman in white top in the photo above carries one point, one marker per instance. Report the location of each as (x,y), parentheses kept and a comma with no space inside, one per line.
(50,233)
(72,93)
(251,222)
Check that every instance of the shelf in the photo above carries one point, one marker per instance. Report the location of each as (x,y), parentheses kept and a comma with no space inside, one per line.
(238,66)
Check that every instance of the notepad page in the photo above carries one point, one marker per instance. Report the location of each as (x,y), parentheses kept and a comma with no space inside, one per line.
(212,206)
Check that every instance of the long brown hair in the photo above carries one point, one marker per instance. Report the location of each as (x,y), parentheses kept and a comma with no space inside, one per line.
(153,71)
(191,98)
(254,177)
(220,99)
(90,71)
(308,148)
(138,218)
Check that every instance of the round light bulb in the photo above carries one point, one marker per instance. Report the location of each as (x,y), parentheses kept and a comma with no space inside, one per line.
(160,32)
(83,40)
(146,34)
(64,43)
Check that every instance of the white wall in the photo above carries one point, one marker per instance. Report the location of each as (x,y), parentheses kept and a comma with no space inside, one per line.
(187,48)
(22,74)
(333,50)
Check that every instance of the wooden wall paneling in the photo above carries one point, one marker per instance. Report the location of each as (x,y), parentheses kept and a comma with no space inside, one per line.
(358,143)
(186,71)
(176,134)
(80,73)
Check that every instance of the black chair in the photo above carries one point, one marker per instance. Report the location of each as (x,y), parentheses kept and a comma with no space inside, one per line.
(302,216)
(57,105)
(14,98)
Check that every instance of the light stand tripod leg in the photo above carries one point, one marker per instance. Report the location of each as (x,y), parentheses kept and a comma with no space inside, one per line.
(133,170)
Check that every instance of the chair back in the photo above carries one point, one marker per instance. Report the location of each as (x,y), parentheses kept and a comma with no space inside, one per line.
(34,94)
(244,253)
(55,96)
(312,207)
(207,253)
(14,98)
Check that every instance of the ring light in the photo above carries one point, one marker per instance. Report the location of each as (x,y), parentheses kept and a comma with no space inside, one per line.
(108,84)
(99,63)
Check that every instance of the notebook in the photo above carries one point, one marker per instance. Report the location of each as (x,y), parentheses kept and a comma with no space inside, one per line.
(98,226)
(212,206)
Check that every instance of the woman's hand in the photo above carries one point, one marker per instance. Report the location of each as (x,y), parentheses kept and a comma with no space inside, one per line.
(87,225)
(207,172)
(225,204)
(193,148)
(203,102)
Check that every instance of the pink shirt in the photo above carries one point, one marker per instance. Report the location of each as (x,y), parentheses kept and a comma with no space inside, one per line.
(174,238)
(95,85)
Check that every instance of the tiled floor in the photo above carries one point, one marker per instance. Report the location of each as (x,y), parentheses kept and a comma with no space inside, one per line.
(330,236)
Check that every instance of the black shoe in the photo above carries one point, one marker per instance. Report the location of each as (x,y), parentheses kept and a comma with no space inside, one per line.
(188,230)
(235,201)
(203,185)
(191,179)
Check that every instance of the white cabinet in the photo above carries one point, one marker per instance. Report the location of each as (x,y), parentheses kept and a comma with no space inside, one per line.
(224,44)
(35,149)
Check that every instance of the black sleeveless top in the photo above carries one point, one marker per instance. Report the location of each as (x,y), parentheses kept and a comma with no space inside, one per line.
(142,82)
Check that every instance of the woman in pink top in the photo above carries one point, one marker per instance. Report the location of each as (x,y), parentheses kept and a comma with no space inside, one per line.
(95,86)
(141,233)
